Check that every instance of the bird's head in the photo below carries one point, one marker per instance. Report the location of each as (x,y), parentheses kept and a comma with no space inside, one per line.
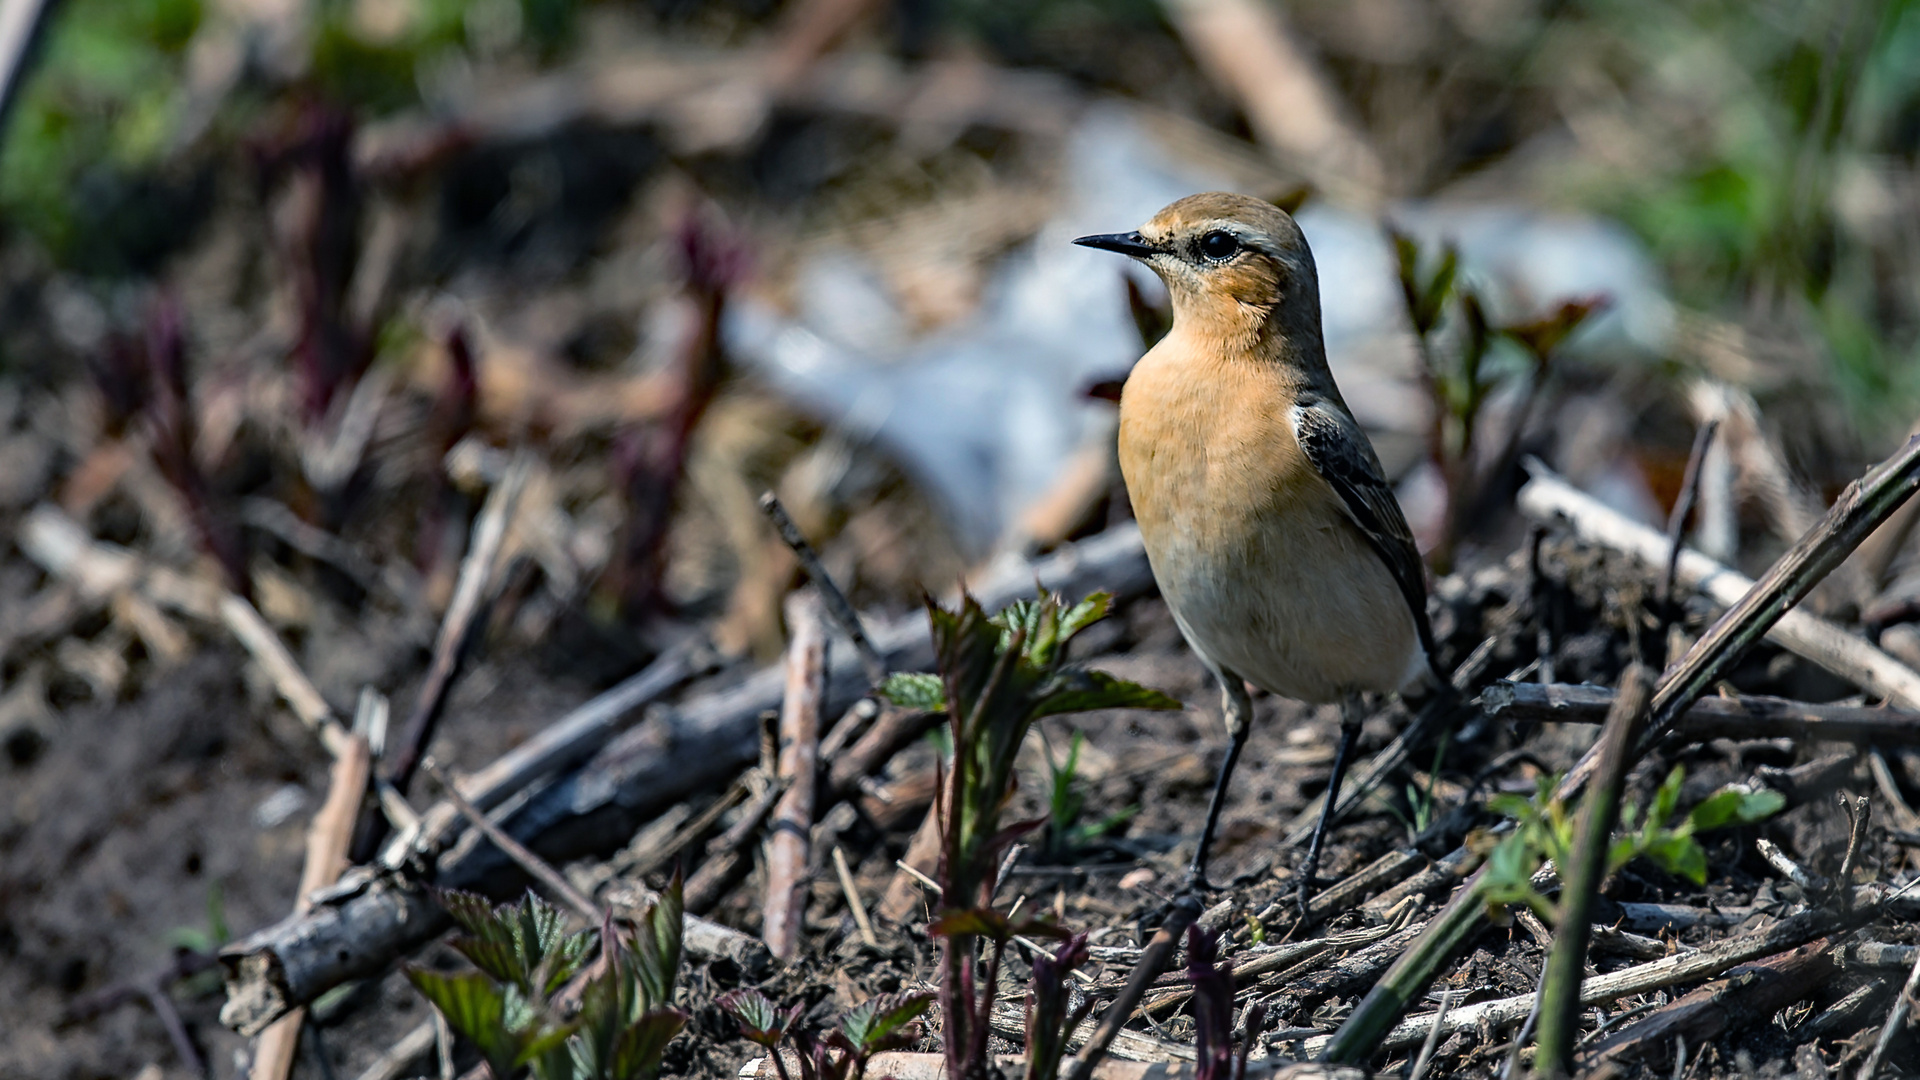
(1235,266)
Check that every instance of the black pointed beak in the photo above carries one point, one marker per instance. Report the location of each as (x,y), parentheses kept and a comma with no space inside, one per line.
(1129,243)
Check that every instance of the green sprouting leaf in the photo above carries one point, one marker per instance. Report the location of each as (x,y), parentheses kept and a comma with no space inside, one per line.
(1621,852)
(871,1023)
(637,1052)
(1734,806)
(540,930)
(548,1048)
(915,690)
(1679,855)
(1080,690)
(1084,614)
(991,924)
(658,946)
(1508,804)
(1666,798)
(476,1009)
(490,941)
(760,1020)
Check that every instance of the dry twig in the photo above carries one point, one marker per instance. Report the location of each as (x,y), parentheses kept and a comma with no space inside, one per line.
(787,849)
(327,843)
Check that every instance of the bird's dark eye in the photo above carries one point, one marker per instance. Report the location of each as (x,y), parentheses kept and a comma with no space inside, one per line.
(1219,244)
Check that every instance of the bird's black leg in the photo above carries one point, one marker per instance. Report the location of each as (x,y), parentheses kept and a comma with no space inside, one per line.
(1239,711)
(1351,716)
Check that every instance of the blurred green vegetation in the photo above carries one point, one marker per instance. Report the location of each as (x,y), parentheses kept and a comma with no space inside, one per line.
(103,101)
(1771,130)
(84,160)
(1768,165)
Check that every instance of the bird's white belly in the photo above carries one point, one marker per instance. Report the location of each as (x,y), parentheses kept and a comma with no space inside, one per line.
(1299,604)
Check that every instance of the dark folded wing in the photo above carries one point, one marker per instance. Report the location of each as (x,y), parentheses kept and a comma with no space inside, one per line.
(1340,453)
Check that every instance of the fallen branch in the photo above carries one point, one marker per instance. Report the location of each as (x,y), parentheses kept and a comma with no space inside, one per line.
(477,573)
(565,742)
(1743,716)
(1748,994)
(373,919)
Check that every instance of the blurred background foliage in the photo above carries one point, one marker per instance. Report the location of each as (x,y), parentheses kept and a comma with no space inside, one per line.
(1763,151)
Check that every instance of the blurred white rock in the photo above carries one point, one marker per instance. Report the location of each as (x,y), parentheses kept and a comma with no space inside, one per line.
(985,413)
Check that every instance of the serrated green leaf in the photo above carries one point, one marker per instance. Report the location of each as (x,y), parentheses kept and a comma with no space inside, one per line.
(490,940)
(760,1020)
(546,1043)
(637,1052)
(872,1021)
(657,946)
(1079,690)
(1084,614)
(475,1008)
(915,690)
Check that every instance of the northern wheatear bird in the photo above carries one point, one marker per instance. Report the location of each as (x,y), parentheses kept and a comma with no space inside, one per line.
(1274,537)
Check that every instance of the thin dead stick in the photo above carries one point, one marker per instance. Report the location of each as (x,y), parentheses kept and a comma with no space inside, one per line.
(414,1045)
(108,998)
(788,855)
(1705,962)
(515,850)
(1788,869)
(726,859)
(1427,1048)
(176,1029)
(1740,716)
(924,880)
(301,696)
(634,862)
(327,841)
(1896,1021)
(1186,909)
(443,1043)
(477,573)
(854,904)
(902,899)
(1682,506)
(1753,610)
(837,606)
